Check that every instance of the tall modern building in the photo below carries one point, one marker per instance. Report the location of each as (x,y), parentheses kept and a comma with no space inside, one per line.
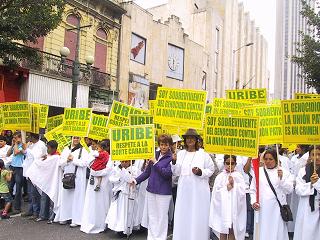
(290,23)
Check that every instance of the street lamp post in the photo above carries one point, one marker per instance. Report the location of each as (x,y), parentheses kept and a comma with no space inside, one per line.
(234,62)
(64,52)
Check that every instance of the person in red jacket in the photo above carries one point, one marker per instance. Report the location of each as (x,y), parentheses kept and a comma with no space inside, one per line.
(100,161)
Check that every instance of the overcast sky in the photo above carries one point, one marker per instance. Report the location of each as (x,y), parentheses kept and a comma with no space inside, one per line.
(264,14)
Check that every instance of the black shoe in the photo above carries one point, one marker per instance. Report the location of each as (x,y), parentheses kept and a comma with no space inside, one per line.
(91,181)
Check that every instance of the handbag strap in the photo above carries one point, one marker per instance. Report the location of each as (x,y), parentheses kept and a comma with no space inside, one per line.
(271,186)
(76,168)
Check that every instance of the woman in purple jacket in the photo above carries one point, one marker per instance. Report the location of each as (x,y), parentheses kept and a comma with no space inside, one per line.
(159,189)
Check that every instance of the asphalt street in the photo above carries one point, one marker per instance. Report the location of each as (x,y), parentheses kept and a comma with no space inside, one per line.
(24,229)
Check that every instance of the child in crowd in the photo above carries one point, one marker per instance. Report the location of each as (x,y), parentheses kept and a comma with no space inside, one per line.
(120,215)
(5,177)
(100,161)
(228,203)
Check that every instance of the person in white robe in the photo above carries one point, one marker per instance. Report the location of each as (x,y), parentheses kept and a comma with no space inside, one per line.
(96,204)
(194,167)
(71,201)
(228,203)
(271,224)
(298,161)
(308,188)
(140,200)
(120,216)
(45,173)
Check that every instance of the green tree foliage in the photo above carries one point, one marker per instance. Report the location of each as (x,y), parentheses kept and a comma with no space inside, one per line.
(26,20)
(308,57)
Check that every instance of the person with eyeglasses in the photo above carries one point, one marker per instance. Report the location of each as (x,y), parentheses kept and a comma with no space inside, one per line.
(228,203)
(271,223)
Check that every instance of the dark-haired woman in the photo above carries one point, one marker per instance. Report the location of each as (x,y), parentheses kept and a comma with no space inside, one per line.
(194,167)
(271,224)
(159,190)
(308,188)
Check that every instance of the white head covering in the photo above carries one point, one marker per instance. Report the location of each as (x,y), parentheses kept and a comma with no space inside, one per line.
(176,138)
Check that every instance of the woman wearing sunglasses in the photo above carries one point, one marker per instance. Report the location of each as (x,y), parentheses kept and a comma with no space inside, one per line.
(228,203)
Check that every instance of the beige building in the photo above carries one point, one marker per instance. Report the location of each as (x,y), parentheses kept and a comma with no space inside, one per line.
(156,54)
(224,28)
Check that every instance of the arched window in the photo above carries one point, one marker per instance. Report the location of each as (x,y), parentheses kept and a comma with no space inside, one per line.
(70,37)
(100,54)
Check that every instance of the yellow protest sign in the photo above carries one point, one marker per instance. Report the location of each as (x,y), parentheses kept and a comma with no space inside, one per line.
(270,122)
(301,121)
(54,122)
(35,117)
(152,104)
(98,128)
(17,115)
(1,119)
(140,119)
(76,122)
(180,107)
(237,135)
(209,107)
(132,142)
(306,95)
(56,134)
(252,95)
(119,114)
(226,106)
(44,109)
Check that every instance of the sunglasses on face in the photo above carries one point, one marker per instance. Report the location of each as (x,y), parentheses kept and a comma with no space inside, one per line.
(228,163)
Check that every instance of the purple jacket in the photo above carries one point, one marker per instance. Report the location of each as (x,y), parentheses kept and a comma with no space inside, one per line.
(160,175)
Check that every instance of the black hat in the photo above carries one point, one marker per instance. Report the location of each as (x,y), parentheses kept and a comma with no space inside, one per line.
(191,132)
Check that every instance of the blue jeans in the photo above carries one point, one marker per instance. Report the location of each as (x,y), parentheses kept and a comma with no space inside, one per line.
(17,178)
(34,199)
(45,208)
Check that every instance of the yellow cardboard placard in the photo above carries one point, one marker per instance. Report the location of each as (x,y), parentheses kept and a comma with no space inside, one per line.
(17,115)
(98,128)
(54,122)
(119,114)
(1,119)
(180,107)
(209,108)
(236,135)
(270,122)
(132,142)
(223,106)
(140,119)
(306,95)
(35,117)
(76,122)
(301,121)
(152,104)
(44,109)
(84,144)
(56,134)
(253,95)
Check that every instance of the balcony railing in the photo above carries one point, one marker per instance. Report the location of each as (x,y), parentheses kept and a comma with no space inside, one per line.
(53,65)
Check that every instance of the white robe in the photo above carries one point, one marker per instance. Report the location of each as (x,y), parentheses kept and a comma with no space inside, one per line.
(307,222)
(271,225)
(193,196)
(228,208)
(46,175)
(120,216)
(71,201)
(96,204)
(140,200)
(296,164)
